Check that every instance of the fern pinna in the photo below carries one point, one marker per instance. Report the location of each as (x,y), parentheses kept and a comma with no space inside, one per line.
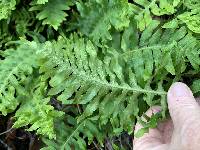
(79,72)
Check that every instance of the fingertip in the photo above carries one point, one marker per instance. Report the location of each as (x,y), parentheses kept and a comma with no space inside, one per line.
(181,103)
(179,89)
(179,93)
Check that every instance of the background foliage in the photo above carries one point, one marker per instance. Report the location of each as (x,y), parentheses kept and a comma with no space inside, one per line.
(80,72)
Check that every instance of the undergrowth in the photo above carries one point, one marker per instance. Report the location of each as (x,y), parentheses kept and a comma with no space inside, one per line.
(103,62)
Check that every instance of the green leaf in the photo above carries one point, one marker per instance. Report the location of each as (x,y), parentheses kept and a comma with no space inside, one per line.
(171,24)
(42,1)
(16,69)
(98,16)
(69,135)
(144,10)
(36,112)
(52,12)
(191,19)
(6,6)
(196,86)
(150,123)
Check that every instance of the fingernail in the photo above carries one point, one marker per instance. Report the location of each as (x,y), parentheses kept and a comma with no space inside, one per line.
(179,89)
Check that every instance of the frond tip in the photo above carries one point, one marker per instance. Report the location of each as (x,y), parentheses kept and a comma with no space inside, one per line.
(52,12)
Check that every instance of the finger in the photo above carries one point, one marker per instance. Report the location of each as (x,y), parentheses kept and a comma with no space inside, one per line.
(198,100)
(182,105)
(166,128)
(151,140)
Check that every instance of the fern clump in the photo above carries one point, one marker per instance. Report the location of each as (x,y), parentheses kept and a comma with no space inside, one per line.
(77,73)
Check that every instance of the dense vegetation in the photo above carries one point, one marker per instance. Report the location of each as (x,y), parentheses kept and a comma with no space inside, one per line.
(77,72)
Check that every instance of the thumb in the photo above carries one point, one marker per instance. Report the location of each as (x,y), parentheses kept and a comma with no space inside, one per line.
(182,105)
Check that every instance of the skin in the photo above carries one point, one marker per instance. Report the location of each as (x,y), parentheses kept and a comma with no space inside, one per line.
(182,131)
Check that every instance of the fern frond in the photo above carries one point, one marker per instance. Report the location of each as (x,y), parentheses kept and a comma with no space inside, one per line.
(15,70)
(80,77)
(42,1)
(6,6)
(144,10)
(20,86)
(35,111)
(171,42)
(23,19)
(196,86)
(5,35)
(190,17)
(70,134)
(97,17)
(52,12)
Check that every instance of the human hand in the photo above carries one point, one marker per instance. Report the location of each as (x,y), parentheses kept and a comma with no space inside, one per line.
(182,131)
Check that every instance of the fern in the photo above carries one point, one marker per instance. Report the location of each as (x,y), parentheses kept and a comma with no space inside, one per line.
(144,8)
(98,81)
(154,42)
(97,17)
(24,19)
(52,12)
(95,82)
(18,88)
(6,36)
(190,17)
(15,70)
(195,86)
(41,1)
(35,111)
(70,134)
(6,6)
(77,73)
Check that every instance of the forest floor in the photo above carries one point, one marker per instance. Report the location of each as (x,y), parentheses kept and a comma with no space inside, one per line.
(20,139)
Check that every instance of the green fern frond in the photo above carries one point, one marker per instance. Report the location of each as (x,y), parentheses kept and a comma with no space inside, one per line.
(23,19)
(196,86)
(35,111)
(5,35)
(6,6)
(97,17)
(190,17)
(171,42)
(15,70)
(70,134)
(20,86)
(80,77)
(42,1)
(52,12)
(145,9)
